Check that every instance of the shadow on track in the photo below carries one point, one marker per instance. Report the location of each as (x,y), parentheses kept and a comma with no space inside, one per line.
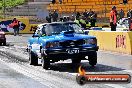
(69,67)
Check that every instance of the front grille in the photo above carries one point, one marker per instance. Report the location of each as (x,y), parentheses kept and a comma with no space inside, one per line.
(72,43)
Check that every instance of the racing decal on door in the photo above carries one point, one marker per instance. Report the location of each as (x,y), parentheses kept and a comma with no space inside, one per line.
(121,41)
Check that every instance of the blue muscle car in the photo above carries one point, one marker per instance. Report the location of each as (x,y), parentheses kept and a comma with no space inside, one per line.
(53,42)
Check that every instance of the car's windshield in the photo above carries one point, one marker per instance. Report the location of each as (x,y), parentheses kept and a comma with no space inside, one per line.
(58,28)
(123,21)
(75,27)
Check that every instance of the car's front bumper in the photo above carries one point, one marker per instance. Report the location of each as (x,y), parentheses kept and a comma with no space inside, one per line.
(63,53)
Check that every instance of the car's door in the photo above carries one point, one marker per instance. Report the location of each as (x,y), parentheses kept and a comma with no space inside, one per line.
(42,34)
(36,44)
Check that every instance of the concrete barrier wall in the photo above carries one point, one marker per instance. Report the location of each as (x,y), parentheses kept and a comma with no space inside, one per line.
(103,24)
(114,41)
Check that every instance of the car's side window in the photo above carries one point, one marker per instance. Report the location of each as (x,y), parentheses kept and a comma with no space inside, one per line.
(47,30)
(43,30)
(38,31)
(125,21)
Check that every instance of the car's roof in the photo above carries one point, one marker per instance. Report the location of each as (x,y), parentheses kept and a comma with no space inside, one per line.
(62,22)
(121,20)
(124,18)
(69,22)
(42,24)
(55,23)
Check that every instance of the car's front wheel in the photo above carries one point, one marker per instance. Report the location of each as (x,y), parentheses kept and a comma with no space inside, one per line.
(92,57)
(33,59)
(45,62)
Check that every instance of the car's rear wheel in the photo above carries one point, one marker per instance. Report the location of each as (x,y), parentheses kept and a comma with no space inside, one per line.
(92,57)
(45,62)
(33,59)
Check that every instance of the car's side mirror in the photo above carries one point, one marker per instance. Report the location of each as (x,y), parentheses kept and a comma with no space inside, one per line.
(35,35)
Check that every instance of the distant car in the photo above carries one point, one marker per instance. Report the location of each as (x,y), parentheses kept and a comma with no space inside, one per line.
(2,38)
(123,23)
(57,41)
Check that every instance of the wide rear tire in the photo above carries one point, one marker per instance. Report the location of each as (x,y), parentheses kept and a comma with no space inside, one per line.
(45,62)
(92,57)
(33,59)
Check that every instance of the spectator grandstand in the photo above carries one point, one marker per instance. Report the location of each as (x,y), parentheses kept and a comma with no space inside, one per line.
(102,7)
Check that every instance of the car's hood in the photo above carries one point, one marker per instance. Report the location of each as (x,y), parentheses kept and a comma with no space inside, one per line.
(62,37)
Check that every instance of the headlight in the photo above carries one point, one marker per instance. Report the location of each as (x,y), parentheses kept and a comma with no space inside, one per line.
(91,41)
(52,44)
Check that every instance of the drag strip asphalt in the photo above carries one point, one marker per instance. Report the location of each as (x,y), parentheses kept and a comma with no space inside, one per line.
(63,73)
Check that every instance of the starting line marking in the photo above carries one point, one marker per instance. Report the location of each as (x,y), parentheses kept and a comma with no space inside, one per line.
(130,71)
(114,85)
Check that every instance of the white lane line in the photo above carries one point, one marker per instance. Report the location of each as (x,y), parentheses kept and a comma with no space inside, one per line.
(130,71)
(114,85)
(16,46)
(74,74)
(25,72)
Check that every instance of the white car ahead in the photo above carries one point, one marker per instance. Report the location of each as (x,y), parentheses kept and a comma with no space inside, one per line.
(123,23)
